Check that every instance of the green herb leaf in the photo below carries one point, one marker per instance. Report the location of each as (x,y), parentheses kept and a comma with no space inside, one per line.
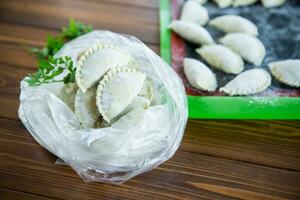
(50,67)
(75,29)
(40,53)
(54,44)
(55,67)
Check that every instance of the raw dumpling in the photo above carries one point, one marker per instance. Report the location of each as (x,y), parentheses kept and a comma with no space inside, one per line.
(142,101)
(287,71)
(237,3)
(234,24)
(249,82)
(223,3)
(194,12)
(248,46)
(96,61)
(85,107)
(192,32)
(147,90)
(272,3)
(117,89)
(222,58)
(144,98)
(130,119)
(67,94)
(199,75)
(138,102)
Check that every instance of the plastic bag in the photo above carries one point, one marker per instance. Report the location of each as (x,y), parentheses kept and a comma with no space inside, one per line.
(136,143)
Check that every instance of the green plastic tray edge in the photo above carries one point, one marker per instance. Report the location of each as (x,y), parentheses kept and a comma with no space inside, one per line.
(165,33)
(227,107)
(251,107)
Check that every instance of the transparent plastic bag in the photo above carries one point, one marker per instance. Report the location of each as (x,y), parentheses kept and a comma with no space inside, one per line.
(136,143)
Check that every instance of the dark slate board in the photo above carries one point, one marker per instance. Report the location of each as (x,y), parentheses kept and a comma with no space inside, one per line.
(279,30)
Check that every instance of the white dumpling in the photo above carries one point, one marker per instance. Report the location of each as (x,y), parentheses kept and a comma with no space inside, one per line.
(117,89)
(272,3)
(221,58)
(287,71)
(147,90)
(138,102)
(194,12)
(85,107)
(96,61)
(248,82)
(249,47)
(199,75)
(234,24)
(130,119)
(223,3)
(237,3)
(67,94)
(144,98)
(191,32)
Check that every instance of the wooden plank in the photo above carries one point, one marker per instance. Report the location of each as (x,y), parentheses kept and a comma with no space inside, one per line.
(60,180)
(15,39)
(9,106)
(142,4)
(217,159)
(54,15)
(186,175)
(17,56)
(10,79)
(6,194)
(30,36)
(92,9)
(24,35)
(274,143)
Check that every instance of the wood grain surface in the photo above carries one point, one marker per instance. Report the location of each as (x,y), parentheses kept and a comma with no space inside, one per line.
(218,159)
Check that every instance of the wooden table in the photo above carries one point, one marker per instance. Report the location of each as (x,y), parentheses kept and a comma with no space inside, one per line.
(218,159)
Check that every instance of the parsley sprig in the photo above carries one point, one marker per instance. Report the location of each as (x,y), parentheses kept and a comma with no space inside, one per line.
(50,67)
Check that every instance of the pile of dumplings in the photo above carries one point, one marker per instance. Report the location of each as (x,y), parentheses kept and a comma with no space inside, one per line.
(240,44)
(108,85)
(237,3)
